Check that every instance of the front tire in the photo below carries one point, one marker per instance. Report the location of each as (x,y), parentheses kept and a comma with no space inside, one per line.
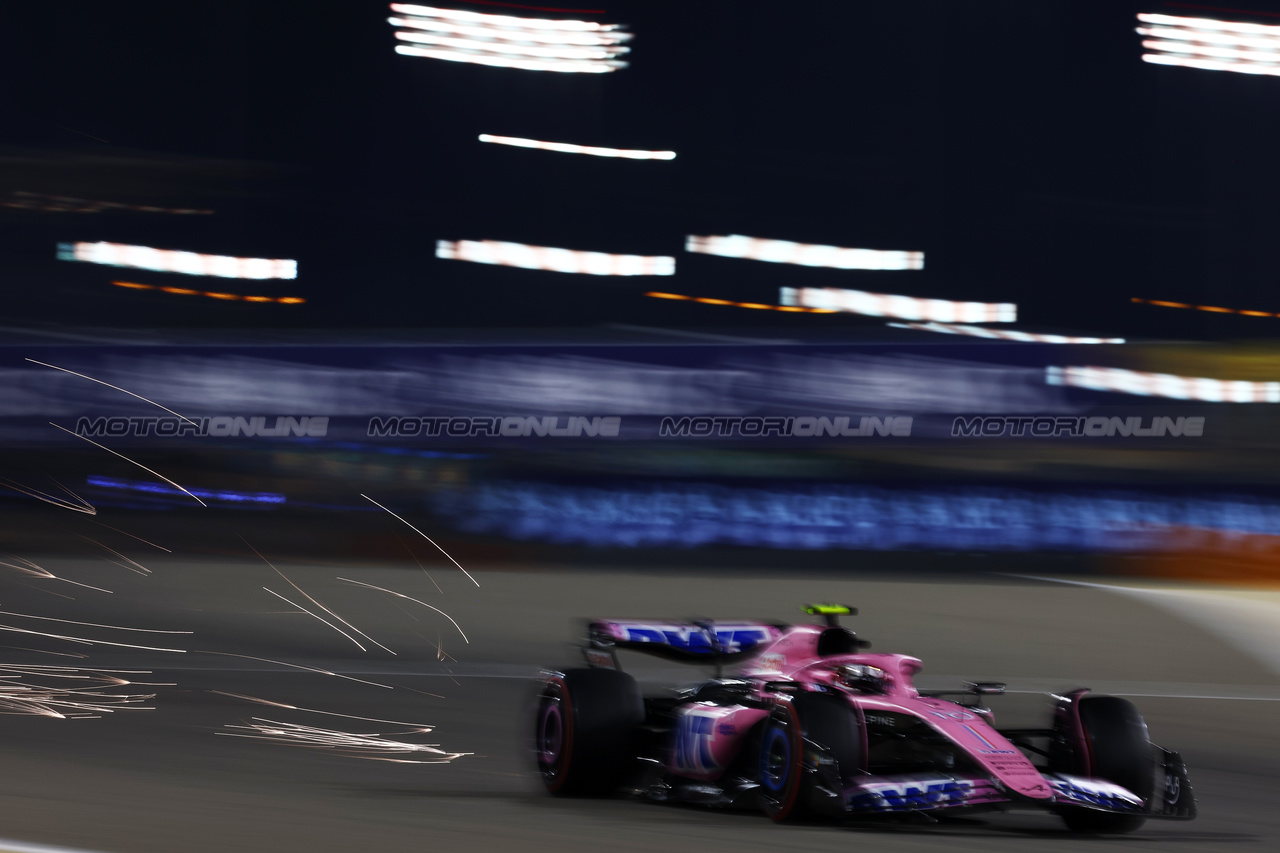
(781,764)
(584,730)
(1120,752)
(787,790)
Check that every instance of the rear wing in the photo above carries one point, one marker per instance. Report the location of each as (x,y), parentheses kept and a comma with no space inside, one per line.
(711,642)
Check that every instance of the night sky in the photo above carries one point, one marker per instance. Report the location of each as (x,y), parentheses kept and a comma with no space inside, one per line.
(1024,147)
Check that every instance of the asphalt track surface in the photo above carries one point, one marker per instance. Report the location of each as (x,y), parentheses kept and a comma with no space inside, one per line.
(165,780)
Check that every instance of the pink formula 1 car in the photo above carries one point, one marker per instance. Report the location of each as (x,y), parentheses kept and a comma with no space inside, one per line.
(812,726)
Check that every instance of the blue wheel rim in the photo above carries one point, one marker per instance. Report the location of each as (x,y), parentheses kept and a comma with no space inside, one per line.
(775,759)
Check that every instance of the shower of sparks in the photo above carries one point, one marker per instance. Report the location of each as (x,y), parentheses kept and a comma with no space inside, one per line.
(22,691)
(127,459)
(27,567)
(133,565)
(419,562)
(320,618)
(81,505)
(93,624)
(289,707)
(299,666)
(116,387)
(375,746)
(131,536)
(408,598)
(317,604)
(426,537)
(86,642)
(45,652)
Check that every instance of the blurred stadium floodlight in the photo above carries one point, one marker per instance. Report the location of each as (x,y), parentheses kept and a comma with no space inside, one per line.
(1210,44)
(570,148)
(1124,381)
(1003,334)
(898,306)
(804,254)
(187,263)
(553,259)
(532,44)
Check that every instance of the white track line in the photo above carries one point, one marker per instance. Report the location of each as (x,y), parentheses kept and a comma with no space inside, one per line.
(7,846)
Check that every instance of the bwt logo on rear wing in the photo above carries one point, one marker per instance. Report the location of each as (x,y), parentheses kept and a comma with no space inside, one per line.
(687,639)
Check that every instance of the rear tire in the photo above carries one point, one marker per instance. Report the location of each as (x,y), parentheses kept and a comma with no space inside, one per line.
(584,730)
(1120,752)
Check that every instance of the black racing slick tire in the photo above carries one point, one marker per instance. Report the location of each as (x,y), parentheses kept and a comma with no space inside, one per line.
(1120,752)
(585,729)
(786,786)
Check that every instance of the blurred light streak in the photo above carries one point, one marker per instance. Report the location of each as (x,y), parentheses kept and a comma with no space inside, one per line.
(570,148)
(410,598)
(167,260)
(1123,381)
(65,204)
(1002,334)
(426,537)
(127,459)
(1211,45)
(374,746)
(304,667)
(532,44)
(898,306)
(81,504)
(467,47)
(113,387)
(553,259)
(802,254)
(233,497)
(1213,309)
(759,306)
(225,297)
(861,517)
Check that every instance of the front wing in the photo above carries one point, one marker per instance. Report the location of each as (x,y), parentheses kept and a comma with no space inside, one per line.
(920,792)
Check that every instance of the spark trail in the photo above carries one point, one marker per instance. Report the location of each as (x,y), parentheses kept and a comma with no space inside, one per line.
(23,691)
(114,387)
(426,537)
(408,598)
(127,459)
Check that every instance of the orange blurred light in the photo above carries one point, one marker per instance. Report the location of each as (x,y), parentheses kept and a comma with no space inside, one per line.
(226,297)
(706,300)
(1213,309)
